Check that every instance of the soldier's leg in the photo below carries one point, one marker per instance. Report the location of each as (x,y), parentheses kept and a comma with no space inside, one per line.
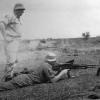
(19,81)
(22,80)
(11,49)
(8,73)
(4,86)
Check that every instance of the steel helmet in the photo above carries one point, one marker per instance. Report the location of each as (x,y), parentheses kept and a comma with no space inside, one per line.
(19,6)
(51,57)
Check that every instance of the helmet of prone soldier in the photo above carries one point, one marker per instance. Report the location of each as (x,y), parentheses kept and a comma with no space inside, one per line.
(19,6)
(50,57)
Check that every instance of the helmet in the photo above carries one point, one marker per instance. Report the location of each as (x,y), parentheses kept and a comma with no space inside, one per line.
(19,6)
(51,57)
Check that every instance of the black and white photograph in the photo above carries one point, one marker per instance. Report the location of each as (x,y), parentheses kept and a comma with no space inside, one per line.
(49,49)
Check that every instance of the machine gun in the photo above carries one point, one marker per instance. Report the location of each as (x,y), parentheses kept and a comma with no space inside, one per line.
(70,65)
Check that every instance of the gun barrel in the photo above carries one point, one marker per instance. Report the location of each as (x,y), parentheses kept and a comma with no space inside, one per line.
(89,65)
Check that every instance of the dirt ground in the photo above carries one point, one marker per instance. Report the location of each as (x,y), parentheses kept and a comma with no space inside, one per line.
(78,88)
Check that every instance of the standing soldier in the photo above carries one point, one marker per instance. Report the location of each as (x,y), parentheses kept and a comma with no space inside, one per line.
(9,28)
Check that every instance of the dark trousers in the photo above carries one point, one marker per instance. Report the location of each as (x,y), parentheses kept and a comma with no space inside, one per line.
(17,82)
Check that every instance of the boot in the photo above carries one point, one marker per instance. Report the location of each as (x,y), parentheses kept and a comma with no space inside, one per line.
(8,72)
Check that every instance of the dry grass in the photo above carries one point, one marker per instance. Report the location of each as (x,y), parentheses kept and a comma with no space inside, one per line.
(66,89)
(71,89)
(77,88)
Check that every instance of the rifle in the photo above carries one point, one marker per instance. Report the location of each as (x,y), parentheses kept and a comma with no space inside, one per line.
(70,65)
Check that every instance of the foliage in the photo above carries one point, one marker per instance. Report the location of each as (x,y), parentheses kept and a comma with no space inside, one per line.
(86,35)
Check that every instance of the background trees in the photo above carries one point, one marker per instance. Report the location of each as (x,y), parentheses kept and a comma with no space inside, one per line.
(86,35)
